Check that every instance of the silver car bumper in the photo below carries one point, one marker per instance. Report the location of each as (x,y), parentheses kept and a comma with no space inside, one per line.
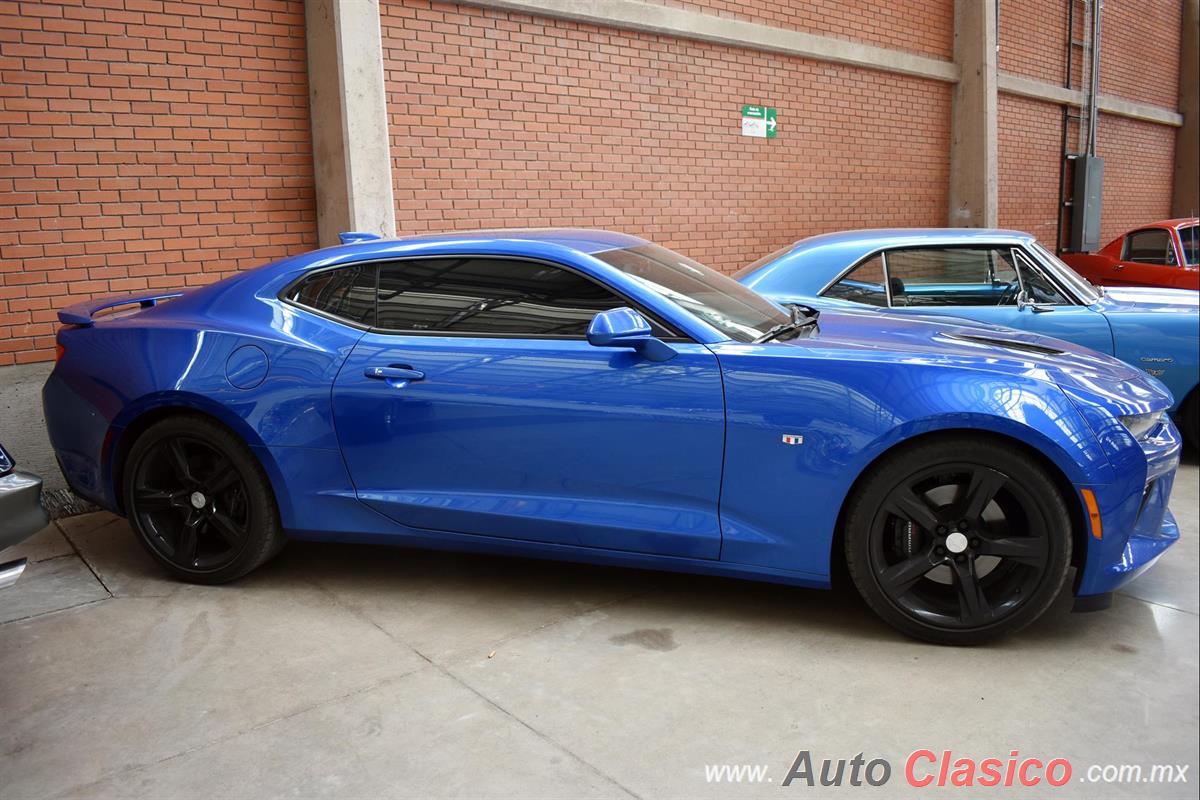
(10,572)
(21,516)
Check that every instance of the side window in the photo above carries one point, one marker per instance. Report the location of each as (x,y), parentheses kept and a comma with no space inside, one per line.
(1189,237)
(863,284)
(347,293)
(1150,247)
(489,296)
(1038,289)
(952,276)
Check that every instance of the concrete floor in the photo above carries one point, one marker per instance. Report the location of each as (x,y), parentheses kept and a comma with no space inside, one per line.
(374,671)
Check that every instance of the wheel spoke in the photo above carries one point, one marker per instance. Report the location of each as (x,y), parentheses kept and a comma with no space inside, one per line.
(154,500)
(973,606)
(900,577)
(1024,549)
(985,483)
(228,530)
(177,458)
(189,534)
(221,478)
(907,504)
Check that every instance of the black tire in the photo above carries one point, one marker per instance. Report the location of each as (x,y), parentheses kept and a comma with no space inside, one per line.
(199,501)
(1189,419)
(958,540)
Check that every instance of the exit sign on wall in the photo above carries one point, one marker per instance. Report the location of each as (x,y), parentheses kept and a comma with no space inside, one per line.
(758,121)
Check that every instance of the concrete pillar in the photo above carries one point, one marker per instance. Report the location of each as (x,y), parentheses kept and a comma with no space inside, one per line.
(1185,201)
(348,106)
(973,117)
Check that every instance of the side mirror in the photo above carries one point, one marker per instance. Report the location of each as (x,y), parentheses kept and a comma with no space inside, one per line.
(1023,302)
(624,327)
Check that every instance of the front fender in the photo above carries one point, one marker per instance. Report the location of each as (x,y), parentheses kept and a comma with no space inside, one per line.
(800,432)
(1163,344)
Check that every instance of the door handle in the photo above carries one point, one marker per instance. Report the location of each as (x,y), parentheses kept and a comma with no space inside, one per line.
(1118,267)
(395,373)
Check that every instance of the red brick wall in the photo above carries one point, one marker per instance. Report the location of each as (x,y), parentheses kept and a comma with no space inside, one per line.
(145,144)
(1139,158)
(1029,151)
(501,119)
(1139,61)
(1033,39)
(154,143)
(1139,54)
(918,26)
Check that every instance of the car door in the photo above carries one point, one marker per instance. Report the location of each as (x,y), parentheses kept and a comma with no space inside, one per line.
(977,282)
(476,405)
(1148,258)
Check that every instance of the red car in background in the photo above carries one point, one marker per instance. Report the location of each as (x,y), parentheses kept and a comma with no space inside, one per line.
(1159,254)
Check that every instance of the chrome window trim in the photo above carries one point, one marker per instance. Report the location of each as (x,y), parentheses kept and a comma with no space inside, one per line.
(1037,266)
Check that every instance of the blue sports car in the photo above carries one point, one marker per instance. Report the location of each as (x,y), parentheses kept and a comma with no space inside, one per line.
(998,277)
(591,396)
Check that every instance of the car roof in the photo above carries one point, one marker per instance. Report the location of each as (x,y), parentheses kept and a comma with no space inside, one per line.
(1178,222)
(810,257)
(583,240)
(905,237)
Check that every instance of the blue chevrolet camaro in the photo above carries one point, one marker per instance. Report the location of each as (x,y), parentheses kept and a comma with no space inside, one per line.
(997,277)
(590,396)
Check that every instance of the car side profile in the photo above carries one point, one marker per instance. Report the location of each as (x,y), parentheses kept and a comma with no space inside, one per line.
(1165,254)
(590,396)
(996,277)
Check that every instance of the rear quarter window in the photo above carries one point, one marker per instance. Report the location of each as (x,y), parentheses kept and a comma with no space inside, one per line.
(347,293)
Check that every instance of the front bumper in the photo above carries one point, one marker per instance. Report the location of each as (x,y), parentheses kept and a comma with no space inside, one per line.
(21,512)
(1137,526)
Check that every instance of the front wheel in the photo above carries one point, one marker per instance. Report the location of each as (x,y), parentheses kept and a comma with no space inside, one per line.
(958,541)
(199,501)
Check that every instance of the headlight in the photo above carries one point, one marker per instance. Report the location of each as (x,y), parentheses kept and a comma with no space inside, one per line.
(1141,424)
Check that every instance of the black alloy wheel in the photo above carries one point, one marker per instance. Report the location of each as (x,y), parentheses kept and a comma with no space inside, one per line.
(957,548)
(199,502)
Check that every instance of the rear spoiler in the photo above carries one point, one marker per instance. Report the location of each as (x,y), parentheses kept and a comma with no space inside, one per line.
(82,313)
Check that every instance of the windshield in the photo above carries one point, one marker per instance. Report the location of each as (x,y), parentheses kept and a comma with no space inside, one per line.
(738,312)
(1191,247)
(1086,292)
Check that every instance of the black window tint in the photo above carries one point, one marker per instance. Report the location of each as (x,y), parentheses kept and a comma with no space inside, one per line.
(863,284)
(490,296)
(348,293)
(1150,247)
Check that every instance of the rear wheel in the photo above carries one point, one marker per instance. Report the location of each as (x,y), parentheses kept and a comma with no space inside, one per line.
(958,541)
(199,501)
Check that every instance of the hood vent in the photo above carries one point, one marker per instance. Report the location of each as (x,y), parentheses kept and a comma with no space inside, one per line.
(1008,344)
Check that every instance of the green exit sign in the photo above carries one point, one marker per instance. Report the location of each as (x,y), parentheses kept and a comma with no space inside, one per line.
(758,121)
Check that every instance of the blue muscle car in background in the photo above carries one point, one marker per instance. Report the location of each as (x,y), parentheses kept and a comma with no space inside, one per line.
(590,396)
(999,277)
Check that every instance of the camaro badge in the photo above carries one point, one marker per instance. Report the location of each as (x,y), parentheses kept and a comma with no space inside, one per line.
(793,438)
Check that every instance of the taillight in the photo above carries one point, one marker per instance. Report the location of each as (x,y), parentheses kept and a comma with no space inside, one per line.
(59,350)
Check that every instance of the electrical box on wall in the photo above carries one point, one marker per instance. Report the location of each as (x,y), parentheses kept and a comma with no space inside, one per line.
(1085,209)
